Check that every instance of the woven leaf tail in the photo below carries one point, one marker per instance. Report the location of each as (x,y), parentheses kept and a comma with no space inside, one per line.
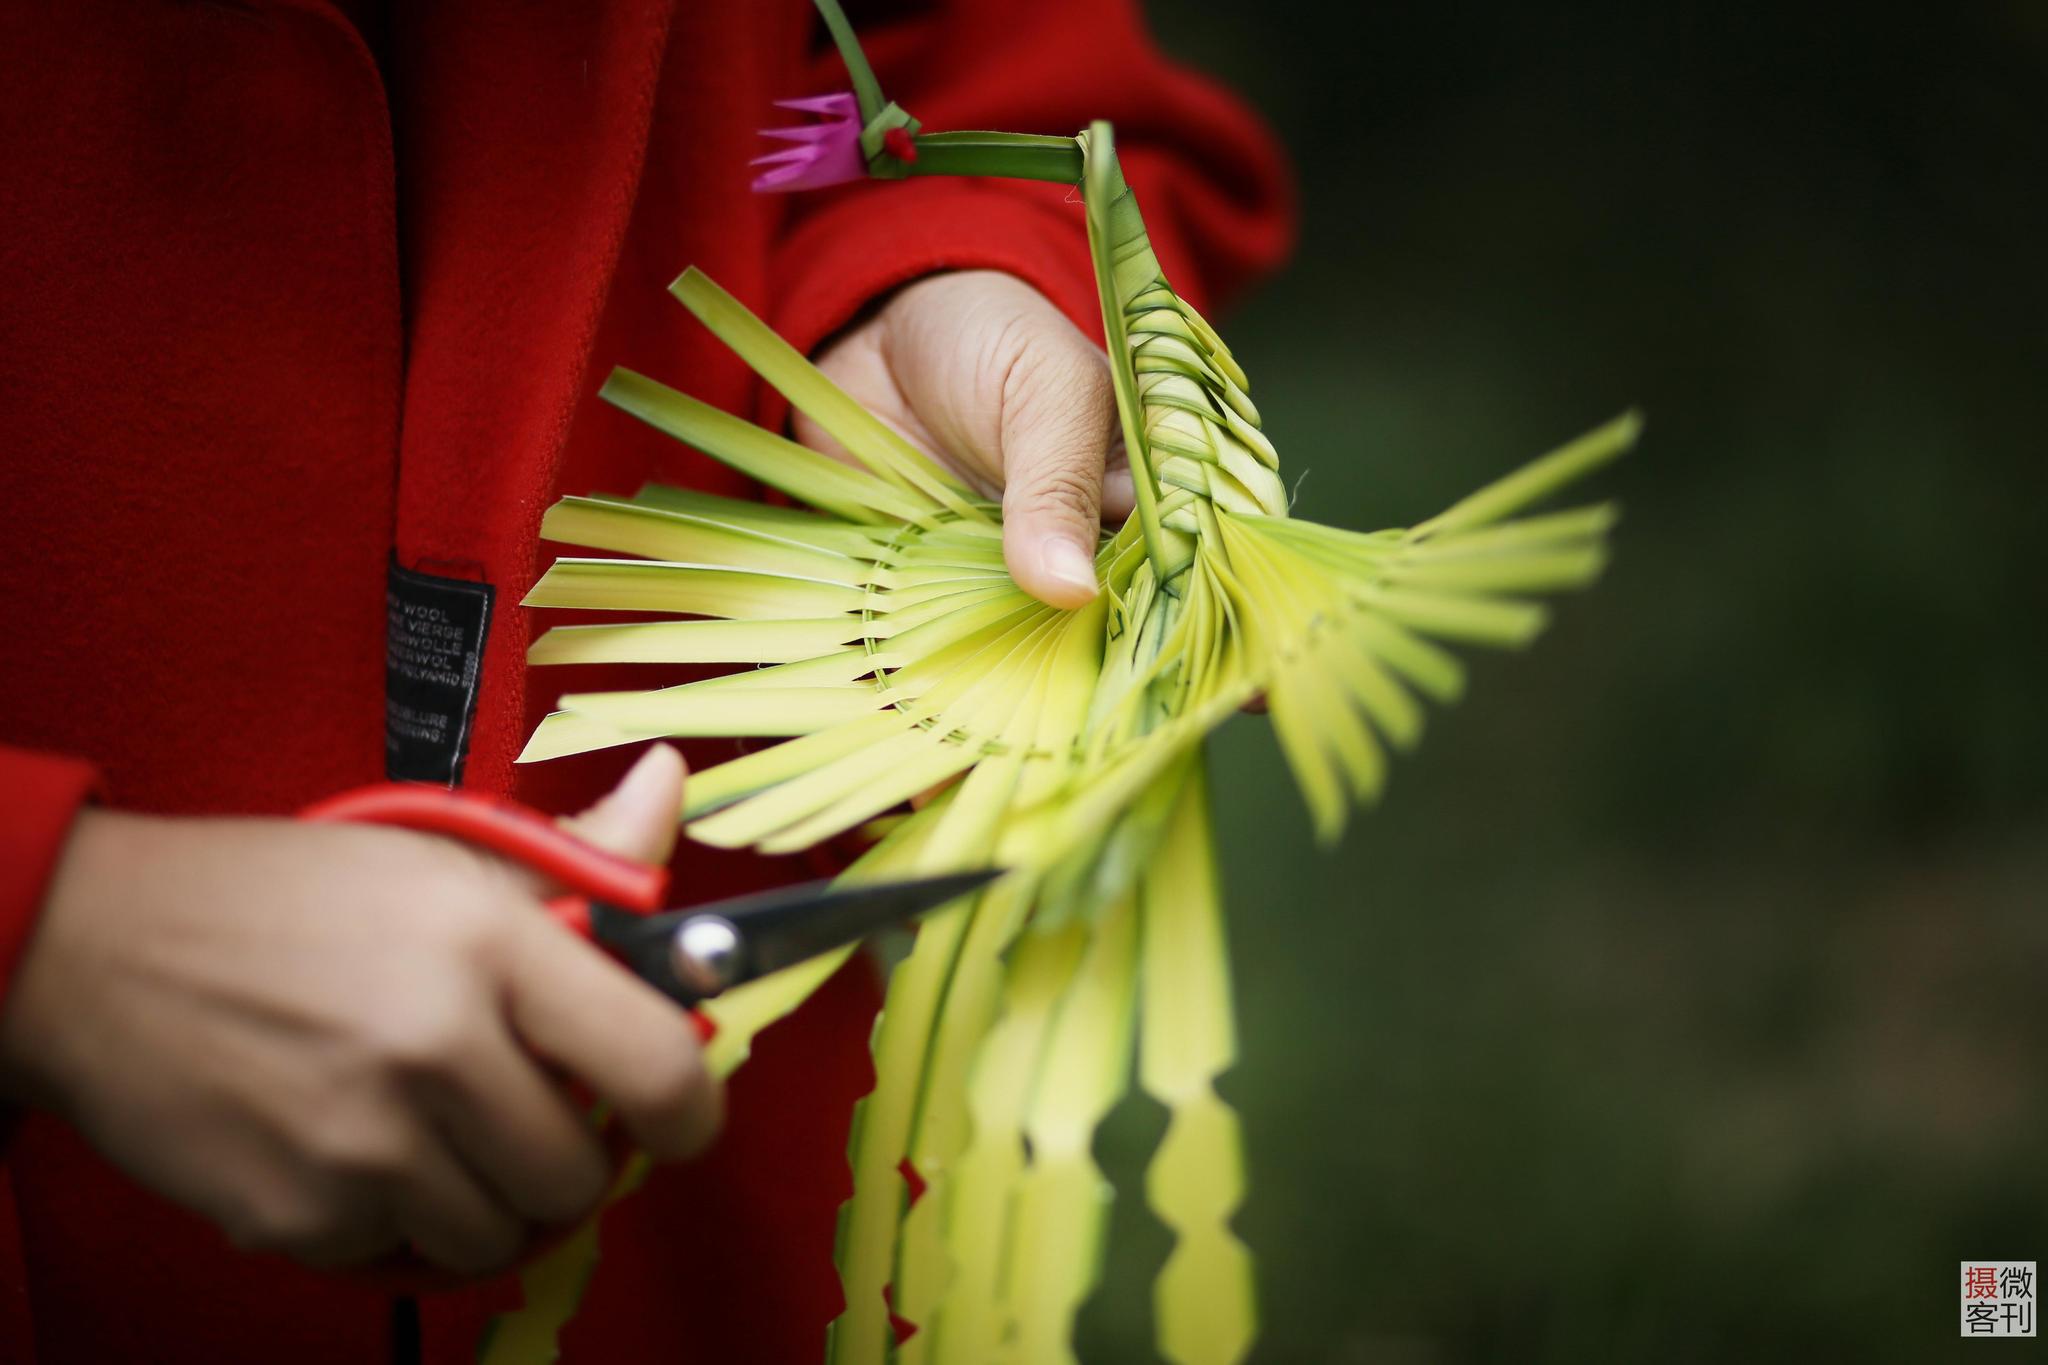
(1188,420)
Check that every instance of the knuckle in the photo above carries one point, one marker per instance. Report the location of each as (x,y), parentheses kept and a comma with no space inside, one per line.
(1065,442)
(1058,387)
(467,926)
(426,1039)
(1008,354)
(1060,488)
(369,1147)
(1061,446)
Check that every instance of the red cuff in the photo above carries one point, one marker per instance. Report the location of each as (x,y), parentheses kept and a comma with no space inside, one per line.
(872,238)
(39,796)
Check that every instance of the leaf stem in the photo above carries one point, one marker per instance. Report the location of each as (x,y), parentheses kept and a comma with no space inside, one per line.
(866,89)
(1012,156)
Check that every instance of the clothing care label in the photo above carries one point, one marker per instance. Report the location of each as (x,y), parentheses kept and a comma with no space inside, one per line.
(433,656)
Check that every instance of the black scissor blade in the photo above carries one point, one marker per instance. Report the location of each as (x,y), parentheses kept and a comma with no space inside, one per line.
(782,928)
(776,929)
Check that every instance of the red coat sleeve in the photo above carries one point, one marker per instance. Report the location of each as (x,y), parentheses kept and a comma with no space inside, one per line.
(1213,184)
(39,796)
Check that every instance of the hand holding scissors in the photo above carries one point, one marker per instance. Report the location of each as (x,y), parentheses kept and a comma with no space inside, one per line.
(334,1040)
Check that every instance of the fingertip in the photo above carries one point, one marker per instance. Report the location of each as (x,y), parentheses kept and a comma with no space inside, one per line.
(686,1119)
(707,1119)
(660,767)
(637,818)
(1056,571)
(1070,566)
(1119,494)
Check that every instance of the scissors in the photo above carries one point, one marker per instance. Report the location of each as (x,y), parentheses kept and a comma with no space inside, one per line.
(689,955)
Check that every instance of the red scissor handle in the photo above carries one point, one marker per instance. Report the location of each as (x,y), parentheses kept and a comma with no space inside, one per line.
(523,835)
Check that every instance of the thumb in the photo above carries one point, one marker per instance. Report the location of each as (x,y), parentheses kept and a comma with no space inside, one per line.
(637,818)
(1058,420)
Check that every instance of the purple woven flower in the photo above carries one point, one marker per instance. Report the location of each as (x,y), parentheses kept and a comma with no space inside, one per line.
(827,152)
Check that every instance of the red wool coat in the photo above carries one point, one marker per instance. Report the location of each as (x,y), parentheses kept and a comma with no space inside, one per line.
(280,297)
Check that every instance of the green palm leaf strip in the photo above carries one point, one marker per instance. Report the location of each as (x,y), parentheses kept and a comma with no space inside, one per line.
(893,654)
(1060,1203)
(1203,1298)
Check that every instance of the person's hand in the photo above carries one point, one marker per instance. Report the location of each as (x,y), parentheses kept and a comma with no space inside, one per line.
(982,372)
(336,1040)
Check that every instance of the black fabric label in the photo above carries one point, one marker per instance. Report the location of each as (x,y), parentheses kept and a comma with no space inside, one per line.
(433,656)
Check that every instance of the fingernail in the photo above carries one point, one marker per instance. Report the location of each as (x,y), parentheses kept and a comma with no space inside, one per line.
(1065,562)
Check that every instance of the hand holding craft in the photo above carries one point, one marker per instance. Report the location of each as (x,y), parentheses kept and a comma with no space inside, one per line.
(983,373)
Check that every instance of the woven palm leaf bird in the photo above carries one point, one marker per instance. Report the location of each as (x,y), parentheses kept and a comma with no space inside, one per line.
(891,653)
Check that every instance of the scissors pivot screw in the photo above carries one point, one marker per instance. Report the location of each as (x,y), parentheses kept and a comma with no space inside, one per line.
(706,953)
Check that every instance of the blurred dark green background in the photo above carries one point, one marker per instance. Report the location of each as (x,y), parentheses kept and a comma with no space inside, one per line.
(1685,999)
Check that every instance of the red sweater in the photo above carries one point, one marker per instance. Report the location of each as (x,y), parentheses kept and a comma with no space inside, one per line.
(276,306)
